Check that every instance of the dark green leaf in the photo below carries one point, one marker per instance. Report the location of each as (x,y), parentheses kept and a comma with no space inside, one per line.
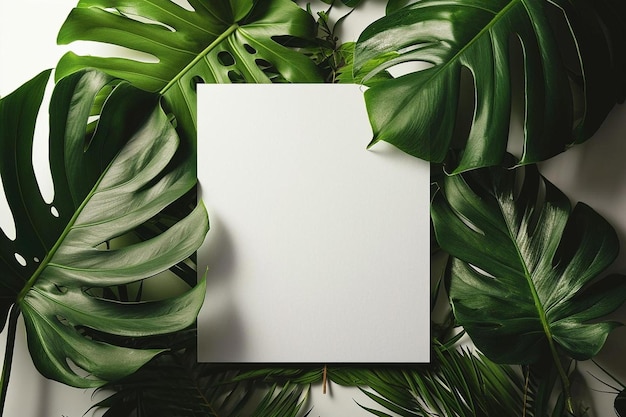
(175,384)
(524,279)
(220,41)
(569,54)
(456,383)
(105,185)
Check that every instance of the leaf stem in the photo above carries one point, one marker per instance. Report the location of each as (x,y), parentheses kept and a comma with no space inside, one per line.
(8,355)
(562,375)
(200,56)
(545,325)
(44,264)
(555,355)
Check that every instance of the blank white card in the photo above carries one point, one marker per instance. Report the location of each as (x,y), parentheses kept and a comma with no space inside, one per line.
(319,248)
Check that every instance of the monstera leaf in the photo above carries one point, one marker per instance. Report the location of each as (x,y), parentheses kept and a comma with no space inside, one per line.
(105,184)
(219,41)
(524,278)
(569,54)
(521,279)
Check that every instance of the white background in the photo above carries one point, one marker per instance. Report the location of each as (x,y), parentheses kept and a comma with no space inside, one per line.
(593,172)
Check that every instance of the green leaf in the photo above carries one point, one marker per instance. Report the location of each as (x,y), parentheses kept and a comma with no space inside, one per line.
(344,73)
(394,5)
(175,384)
(105,185)
(568,54)
(524,280)
(349,3)
(220,41)
(456,383)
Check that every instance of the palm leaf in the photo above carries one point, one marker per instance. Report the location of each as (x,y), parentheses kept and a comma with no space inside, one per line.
(571,51)
(456,383)
(176,384)
(524,278)
(105,185)
(219,41)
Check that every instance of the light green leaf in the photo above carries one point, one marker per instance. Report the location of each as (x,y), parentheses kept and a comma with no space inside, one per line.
(106,185)
(220,41)
(571,68)
(524,280)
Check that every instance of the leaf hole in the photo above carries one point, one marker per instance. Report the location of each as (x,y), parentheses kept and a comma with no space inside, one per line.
(408,67)
(172,119)
(263,64)
(61,290)
(195,80)
(236,77)
(36,259)
(54,211)
(515,145)
(63,320)
(226,58)
(122,241)
(184,4)
(41,150)
(87,48)
(7,224)
(468,223)
(270,70)
(141,19)
(78,370)
(90,129)
(249,49)
(20,259)
(481,271)
(94,114)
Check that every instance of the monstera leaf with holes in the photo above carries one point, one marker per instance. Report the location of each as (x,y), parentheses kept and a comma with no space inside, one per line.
(219,41)
(571,70)
(523,280)
(105,185)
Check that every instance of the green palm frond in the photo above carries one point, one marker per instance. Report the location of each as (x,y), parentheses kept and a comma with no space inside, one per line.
(174,384)
(458,382)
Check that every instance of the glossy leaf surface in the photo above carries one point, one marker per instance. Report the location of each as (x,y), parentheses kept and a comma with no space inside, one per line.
(219,41)
(565,56)
(456,383)
(105,185)
(524,280)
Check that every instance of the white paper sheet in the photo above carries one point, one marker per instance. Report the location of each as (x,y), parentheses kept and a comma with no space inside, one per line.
(319,248)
